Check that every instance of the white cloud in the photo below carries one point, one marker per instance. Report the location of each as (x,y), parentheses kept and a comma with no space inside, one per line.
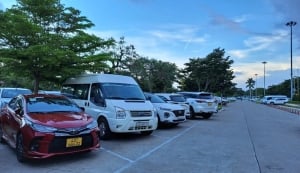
(242,18)
(238,53)
(275,72)
(259,43)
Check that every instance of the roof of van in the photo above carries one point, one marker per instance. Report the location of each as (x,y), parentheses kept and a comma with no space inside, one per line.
(103,78)
(275,96)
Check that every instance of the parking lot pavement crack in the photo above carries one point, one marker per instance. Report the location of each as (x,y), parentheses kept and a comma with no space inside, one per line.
(156,148)
(118,155)
(252,143)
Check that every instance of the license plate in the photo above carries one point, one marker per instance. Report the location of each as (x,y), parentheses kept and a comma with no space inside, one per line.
(74,142)
(142,123)
(209,104)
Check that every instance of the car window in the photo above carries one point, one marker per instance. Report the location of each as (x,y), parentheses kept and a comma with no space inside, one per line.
(154,98)
(122,91)
(205,96)
(49,104)
(186,95)
(79,91)
(177,98)
(162,97)
(10,93)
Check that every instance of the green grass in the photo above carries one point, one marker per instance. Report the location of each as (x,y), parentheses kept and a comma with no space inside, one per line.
(294,102)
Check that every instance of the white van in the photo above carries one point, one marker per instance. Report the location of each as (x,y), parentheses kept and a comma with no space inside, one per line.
(115,101)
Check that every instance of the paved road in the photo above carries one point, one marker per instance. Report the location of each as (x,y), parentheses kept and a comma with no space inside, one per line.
(244,138)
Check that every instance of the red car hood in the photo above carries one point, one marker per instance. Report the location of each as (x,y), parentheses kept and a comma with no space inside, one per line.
(61,119)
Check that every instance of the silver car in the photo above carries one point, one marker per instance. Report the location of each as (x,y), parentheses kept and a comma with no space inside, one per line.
(6,94)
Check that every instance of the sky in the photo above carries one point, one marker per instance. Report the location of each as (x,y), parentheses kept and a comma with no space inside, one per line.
(250,32)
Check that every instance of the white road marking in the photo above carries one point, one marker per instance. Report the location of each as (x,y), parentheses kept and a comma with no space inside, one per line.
(118,155)
(155,149)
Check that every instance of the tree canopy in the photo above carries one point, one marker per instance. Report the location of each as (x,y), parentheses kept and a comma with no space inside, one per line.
(250,83)
(43,40)
(212,73)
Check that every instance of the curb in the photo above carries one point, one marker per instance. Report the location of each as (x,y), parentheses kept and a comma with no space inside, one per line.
(288,109)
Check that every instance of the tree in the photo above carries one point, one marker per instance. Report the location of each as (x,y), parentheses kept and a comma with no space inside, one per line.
(152,75)
(212,73)
(46,41)
(250,84)
(121,54)
(280,89)
(164,75)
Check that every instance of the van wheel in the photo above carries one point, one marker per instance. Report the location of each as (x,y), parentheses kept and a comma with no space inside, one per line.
(20,148)
(105,132)
(146,133)
(207,115)
(159,123)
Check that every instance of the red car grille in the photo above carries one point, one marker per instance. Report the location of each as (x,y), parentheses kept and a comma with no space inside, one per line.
(58,144)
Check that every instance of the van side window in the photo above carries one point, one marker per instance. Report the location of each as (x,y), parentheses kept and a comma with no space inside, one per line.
(75,91)
(96,95)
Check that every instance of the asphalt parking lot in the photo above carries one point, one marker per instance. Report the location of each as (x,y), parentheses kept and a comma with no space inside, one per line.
(237,139)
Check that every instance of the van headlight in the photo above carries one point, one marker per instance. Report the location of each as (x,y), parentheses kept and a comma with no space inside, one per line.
(120,113)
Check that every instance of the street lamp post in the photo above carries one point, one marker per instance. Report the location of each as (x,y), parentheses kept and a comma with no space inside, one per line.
(255,85)
(291,24)
(264,62)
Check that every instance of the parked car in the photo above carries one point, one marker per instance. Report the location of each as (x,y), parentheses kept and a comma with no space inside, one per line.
(6,94)
(42,126)
(269,99)
(201,103)
(167,113)
(277,101)
(175,99)
(221,100)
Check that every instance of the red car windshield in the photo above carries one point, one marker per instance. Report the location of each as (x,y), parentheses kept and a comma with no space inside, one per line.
(49,104)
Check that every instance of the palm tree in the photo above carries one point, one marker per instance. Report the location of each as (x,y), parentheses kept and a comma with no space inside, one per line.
(250,84)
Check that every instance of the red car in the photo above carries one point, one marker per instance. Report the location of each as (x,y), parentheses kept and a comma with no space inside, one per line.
(41,126)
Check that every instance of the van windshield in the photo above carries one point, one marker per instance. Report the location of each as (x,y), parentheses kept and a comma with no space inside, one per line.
(122,91)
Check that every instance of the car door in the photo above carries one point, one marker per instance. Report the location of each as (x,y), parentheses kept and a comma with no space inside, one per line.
(14,118)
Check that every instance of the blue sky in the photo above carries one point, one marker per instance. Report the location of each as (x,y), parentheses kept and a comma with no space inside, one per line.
(250,31)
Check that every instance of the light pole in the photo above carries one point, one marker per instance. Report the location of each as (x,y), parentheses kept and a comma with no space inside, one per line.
(264,62)
(255,85)
(291,24)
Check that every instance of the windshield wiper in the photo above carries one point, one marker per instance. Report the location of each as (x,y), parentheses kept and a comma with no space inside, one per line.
(117,98)
(134,98)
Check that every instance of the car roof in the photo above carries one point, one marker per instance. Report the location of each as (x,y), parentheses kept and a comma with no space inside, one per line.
(169,94)
(196,92)
(14,88)
(44,95)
